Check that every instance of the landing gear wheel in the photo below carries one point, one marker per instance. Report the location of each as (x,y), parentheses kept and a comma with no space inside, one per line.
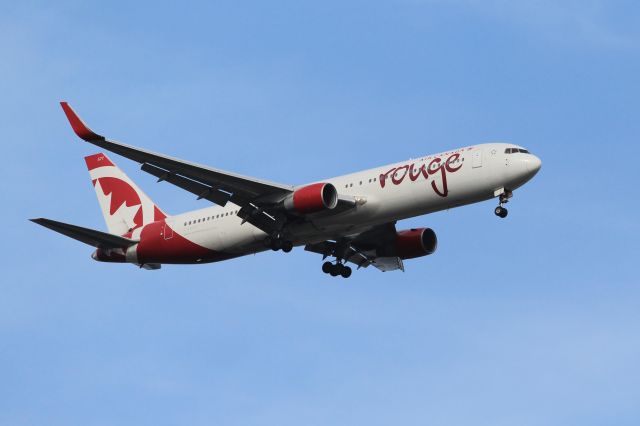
(501,212)
(345,271)
(276,245)
(268,241)
(335,270)
(326,267)
(287,246)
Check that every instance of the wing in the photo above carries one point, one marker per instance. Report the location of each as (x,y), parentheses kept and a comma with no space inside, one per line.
(176,171)
(215,185)
(364,249)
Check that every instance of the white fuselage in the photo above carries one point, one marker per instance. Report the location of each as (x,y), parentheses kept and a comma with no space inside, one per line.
(383,194)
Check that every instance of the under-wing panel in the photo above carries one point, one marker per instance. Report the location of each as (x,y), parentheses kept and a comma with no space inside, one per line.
(362,249)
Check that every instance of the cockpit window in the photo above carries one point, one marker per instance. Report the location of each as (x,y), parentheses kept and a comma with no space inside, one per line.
(515,151)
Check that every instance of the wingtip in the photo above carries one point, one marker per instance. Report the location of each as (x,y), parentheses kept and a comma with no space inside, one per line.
(78,126)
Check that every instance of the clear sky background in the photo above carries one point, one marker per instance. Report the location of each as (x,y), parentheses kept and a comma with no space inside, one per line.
(532,320)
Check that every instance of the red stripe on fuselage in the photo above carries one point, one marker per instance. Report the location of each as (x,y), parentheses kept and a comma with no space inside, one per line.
(154,248)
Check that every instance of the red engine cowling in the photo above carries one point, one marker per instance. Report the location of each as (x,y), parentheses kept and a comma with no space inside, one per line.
(312,198)
(414,243)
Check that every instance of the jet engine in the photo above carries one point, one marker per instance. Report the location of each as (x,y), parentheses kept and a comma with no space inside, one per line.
(312,199)
(414,243)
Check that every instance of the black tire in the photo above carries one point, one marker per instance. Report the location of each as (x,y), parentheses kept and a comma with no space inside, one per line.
(326,267)
(498,211)
(504,213)
(287,246)
(335,270)
(276,245)
(345,272)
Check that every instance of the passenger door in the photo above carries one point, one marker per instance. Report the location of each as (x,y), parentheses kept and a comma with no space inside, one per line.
(476,158)
(167,230)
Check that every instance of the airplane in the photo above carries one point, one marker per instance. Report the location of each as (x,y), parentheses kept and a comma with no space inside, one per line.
(349,219)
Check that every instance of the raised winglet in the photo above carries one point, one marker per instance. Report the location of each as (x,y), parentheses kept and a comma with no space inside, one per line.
(78,125)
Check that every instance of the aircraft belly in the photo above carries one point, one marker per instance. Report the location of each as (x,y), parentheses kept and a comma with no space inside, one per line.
(234,238)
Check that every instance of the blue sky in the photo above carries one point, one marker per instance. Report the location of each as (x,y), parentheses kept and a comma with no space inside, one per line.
(533,320)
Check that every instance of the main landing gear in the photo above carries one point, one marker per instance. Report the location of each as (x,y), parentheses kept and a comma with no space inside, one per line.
(277,242)
(501,211)
(335,269)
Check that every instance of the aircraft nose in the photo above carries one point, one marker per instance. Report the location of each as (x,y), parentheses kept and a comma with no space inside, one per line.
(533,164)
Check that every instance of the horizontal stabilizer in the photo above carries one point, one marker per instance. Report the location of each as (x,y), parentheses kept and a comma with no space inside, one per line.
(92,237)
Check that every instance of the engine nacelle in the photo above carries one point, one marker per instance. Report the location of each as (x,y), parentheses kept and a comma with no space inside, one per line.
(312,198)
(414,243)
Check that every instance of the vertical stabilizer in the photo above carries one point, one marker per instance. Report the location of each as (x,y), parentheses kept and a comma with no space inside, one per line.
(124,206)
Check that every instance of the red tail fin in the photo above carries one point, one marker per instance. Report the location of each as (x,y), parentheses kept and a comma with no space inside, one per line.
(124,205)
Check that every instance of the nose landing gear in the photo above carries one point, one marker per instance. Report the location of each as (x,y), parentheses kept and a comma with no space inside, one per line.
(335,269)
(501,212)
(504,195)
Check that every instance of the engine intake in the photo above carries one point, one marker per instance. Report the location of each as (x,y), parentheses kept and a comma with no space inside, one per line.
(414,243)
(312,198)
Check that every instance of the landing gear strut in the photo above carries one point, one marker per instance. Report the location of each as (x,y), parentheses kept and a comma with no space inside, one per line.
(277,242)
(335,269)
(501,211)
